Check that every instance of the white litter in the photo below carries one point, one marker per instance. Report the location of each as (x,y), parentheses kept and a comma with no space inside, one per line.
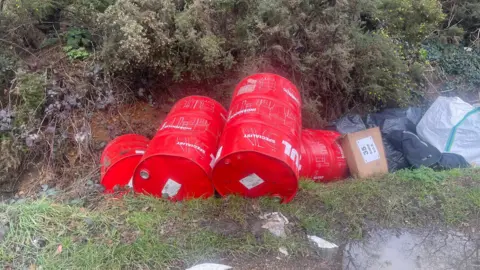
(209,266)
(283,250)
(275,223)
(321,243)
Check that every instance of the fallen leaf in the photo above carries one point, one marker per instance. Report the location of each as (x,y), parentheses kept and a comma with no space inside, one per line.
(32,267)
(59,250)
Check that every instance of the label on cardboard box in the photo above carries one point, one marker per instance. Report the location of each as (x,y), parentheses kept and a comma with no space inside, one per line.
(368,149)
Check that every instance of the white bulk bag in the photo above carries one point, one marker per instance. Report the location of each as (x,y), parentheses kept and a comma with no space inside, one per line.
(452,125)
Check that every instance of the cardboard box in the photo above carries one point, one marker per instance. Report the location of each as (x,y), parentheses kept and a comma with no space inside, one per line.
(364,153)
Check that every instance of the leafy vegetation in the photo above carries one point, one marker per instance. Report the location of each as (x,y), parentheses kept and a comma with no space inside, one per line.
(144,232)
(463,63)
(327,45)
(78,42)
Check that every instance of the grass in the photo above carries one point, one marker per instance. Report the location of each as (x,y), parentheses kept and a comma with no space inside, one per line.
(147,233)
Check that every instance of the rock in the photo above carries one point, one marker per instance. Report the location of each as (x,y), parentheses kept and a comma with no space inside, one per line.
(209,266)
(283,250)
(89,221)
(327,249)
(39,242)
(275,223)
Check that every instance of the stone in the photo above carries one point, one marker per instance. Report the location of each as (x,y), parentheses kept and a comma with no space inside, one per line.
(275,223)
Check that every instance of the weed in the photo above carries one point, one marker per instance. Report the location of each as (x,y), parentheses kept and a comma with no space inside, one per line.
(12,154)
(76,54)
(30,89)
(78,42)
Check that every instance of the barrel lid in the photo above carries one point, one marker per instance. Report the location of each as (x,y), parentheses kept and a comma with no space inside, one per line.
(252,174)
(119,160)
(172,177)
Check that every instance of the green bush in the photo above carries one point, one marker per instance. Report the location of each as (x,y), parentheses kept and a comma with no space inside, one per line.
(380,73)
(318,43)
(465,15)
(462,65)
(78,41)
(155,35)
(410,20)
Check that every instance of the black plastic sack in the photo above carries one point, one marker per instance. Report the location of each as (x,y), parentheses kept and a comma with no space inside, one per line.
(395,158)
(395,119)
(450,161)
(417,152)
(349,123)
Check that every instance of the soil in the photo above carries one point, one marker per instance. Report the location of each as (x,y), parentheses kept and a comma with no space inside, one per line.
(280,262)
(140,118)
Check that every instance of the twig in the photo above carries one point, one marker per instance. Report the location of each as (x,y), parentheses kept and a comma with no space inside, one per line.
(126,122)
(452,16)
(18,46)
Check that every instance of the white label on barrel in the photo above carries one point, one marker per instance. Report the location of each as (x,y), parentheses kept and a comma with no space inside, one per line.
(130,183)
(248,88)
(171,188)
(251,181)
(368,149)
(139,152)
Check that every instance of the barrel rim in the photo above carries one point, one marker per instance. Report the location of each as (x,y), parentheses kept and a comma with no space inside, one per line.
(109,167)
(121,137)
(168,155)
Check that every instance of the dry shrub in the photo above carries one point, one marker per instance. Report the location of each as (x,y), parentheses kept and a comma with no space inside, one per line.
(10,160)
(323,46)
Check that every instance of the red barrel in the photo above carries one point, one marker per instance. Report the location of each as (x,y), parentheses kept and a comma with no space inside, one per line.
(322,157)
(259,153)
(119,160)
(179,160)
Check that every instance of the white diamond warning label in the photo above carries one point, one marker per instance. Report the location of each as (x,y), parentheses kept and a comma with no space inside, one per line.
(171,188)
(252,181)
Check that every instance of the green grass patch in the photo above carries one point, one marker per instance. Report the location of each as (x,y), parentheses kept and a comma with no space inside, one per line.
(143,232)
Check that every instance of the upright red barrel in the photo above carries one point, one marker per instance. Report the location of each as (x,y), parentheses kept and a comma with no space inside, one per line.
(180,157)
(322,157)
(259,153)
(119,160)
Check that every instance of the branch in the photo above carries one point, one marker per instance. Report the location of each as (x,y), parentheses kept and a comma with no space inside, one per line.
(18,46)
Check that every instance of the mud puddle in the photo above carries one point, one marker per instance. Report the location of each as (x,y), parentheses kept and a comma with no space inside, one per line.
(414,249)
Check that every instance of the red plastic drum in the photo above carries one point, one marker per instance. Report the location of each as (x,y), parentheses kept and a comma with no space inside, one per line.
(119,160)
(322,156)
(179,160)
(259,153)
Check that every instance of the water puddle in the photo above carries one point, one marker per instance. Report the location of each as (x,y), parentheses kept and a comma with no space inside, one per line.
(413,249)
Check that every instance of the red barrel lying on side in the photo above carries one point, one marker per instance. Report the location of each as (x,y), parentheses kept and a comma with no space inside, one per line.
(179,160)
(322,156)
(259,153)
(119,160)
